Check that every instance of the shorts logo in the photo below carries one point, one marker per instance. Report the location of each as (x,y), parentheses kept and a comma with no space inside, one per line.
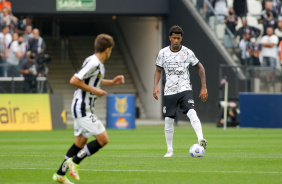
(164,109)
(191,101)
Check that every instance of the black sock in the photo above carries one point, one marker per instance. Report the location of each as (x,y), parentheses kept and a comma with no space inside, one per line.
(71,152)
(90,149)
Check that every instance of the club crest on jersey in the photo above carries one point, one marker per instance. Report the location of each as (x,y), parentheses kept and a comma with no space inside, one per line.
(100,76)
(182,57)
(164,109)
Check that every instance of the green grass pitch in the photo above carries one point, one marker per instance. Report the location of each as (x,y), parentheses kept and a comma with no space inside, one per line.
(234,156)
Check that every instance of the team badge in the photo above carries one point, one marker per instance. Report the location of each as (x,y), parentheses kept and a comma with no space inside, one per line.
(164,109)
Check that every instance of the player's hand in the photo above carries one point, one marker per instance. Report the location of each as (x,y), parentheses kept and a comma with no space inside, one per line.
(204,94)
(118,80)
(156,92)
(99,92)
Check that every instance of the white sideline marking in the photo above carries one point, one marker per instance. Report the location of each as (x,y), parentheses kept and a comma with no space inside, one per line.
(159,171)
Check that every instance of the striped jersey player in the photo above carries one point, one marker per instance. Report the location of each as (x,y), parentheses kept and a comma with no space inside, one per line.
(92,73)
(88,81)
(175,60)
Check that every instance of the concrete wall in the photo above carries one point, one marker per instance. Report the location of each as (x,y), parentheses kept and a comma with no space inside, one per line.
(143,36)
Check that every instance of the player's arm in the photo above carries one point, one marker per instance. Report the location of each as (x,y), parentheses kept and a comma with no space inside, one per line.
(82,85)
(115,81)
(157,78)
(204,92)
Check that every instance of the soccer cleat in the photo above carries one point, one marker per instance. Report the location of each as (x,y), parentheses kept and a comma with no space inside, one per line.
(73,168)
(61,179)
(169,154)
(203,142)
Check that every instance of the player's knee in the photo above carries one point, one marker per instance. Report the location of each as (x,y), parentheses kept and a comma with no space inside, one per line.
(103,140)
(169,125)
(192,115)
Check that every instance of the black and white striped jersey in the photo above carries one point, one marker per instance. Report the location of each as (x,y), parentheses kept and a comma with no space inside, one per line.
(176,67)
(92,73)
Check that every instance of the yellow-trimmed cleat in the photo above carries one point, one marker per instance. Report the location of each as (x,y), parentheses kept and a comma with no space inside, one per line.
(61,179)
(73,167)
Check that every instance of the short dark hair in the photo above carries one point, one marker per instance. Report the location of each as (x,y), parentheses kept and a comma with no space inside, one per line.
(176,29)
(102,42)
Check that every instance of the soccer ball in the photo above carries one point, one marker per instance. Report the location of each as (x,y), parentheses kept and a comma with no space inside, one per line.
(197,151)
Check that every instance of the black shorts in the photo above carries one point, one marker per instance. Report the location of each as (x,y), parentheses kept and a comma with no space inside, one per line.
(183,99)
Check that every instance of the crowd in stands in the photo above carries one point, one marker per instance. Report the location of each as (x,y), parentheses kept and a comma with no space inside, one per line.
(258,47)
(20,45)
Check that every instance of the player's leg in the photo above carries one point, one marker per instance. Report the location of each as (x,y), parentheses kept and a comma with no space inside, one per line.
(92,147)
(80,141)
(60,175)
(169,111)
(197,126)
(169,131)
(187,105)
(93,126)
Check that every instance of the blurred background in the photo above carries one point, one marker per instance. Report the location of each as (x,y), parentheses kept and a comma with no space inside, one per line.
(58,35)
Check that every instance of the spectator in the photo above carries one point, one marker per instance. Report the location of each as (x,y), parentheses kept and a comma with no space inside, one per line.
(5,34)
(231,22)
(6,4)
(278,30)
(3,56)
(245,56)
(30,73)
(199,5)
(275,6)
(20,27)
(269,48)
(220,10)
(255,32)
(6,19)
(270,21)
(279,9)
(280,52)
(16,52)
(27,35)
(36,43)
(15,37)
(207,10)
(240,8)
(254,49)
(264,12)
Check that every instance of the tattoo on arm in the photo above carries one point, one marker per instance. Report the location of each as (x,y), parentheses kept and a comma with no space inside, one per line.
(202,74)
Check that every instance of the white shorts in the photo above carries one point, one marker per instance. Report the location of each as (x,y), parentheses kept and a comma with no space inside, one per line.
(88,125)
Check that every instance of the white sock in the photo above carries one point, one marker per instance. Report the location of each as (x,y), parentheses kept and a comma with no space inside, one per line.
(196,124)
(169,130)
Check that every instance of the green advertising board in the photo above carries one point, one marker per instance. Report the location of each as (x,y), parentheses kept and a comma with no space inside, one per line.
(76,5)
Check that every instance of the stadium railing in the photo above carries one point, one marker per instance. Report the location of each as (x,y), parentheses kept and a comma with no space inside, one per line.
(15,84)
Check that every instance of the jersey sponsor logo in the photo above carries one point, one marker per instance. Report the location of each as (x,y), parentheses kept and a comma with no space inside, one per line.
(174,71)
(164,109)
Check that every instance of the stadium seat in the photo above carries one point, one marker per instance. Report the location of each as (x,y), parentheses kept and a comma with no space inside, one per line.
(254,7)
